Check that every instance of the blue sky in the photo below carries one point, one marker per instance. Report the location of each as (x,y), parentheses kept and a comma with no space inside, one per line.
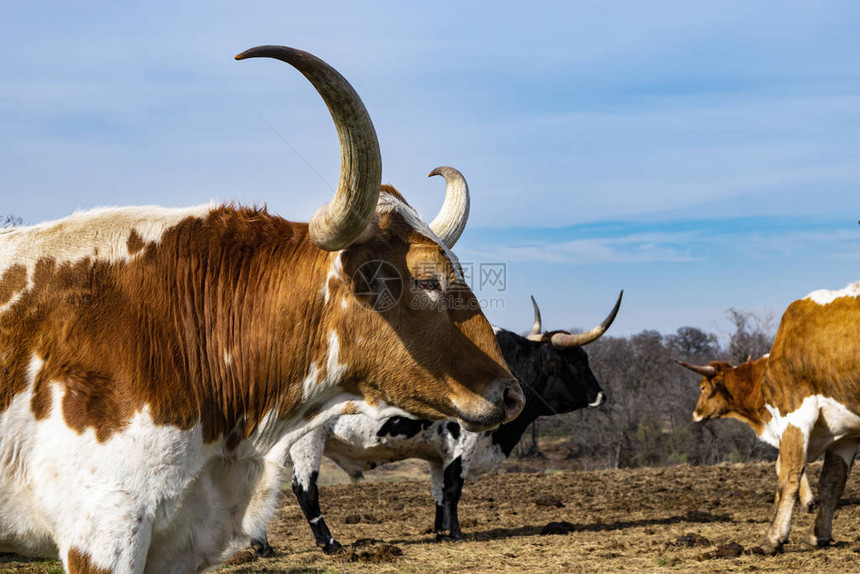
(699,155)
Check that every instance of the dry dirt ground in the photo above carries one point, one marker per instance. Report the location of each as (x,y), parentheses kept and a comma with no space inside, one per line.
(679,518)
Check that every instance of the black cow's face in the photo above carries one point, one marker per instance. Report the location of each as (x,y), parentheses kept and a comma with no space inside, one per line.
(569,383)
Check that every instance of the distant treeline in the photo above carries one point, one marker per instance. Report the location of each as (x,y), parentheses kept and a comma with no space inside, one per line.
(10,221)
(646,420)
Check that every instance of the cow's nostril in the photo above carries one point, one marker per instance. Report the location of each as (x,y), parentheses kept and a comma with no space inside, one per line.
(514,401)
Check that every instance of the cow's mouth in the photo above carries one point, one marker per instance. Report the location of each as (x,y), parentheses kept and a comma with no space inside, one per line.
(507,406)
(481,424)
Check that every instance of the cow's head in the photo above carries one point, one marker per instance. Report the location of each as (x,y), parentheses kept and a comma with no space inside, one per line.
(394,304)
(561,375)
(724,390)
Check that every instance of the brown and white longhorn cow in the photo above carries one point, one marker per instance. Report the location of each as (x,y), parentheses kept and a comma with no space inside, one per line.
(803,398)
(156,364)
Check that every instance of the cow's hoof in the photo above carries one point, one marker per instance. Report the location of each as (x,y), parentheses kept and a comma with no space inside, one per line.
(333,547)
(812,541)
(262,548)
(808,506)
(767,548)
(448,536)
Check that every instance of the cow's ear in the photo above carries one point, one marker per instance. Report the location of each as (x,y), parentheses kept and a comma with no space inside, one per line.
(376,282)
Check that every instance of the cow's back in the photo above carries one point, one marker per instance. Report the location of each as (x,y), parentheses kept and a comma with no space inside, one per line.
(817,350)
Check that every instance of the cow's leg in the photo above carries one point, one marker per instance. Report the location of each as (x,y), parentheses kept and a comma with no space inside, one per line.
(306,455)
(109,547)
(437,486)
(792,458)
(837,464)
(807,500)
(307,493)
(451,491)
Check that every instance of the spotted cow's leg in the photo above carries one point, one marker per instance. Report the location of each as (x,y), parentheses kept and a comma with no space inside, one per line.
(451,491)
(837,464)
(308,495)
(792,458)
(437,486)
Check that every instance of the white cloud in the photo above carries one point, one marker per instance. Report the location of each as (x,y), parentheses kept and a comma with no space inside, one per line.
(636,248)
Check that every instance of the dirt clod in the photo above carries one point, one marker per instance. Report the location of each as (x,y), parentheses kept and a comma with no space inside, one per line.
(377,555)
(549,500)
(724,551)
(691,540)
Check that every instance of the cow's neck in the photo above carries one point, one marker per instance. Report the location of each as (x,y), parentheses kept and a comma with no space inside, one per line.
(509,434)
(245,317)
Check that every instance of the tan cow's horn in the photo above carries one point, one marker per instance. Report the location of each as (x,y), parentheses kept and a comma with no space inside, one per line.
(336,225)
(704,370)
(562,340)
(536,333)
(451,220)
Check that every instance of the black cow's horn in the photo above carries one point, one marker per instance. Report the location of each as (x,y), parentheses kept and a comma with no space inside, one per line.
(563,340)
(338,224)
(451,219)
(536,333)
(704,370)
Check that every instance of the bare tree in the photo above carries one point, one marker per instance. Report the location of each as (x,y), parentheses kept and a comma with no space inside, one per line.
(10,221)
(753,336)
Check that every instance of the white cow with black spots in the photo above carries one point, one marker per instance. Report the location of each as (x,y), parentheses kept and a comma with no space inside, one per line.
(554,373)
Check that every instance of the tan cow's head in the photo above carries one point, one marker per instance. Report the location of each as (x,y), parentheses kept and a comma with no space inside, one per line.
(408,329)
(728,391)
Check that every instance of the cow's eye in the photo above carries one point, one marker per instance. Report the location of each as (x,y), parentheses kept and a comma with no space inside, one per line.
(428,284)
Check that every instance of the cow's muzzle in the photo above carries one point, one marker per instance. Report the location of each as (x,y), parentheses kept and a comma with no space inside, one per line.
(501,405)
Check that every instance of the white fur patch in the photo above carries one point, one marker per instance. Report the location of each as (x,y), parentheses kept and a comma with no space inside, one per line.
(822,420)
(335,272)
(313,385)
(823,296)
(389,203)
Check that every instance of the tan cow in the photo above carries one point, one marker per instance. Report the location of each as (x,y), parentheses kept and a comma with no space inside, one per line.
(156,364)
(804,398)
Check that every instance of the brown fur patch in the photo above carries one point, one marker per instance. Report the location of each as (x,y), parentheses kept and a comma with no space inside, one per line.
(135,242)
(349,409)
(13,280)
(80,563)
(816,351)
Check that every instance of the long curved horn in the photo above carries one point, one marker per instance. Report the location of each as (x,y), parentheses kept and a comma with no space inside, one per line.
(562,340)
(336,225)
(536,333)
(704,370)
(451,219)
